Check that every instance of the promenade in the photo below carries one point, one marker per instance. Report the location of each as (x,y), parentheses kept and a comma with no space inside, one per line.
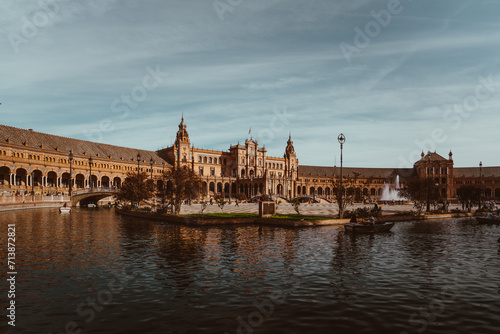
(317,209)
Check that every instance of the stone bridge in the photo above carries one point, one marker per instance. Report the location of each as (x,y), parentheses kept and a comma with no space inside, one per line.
(91,195)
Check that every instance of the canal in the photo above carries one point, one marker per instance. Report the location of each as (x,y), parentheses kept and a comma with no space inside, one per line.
(95,272)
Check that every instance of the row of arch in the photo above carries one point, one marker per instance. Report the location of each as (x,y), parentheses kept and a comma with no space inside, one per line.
(320,191)
(36,178)
(210,160)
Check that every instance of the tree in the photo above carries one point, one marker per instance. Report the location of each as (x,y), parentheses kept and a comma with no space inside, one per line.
(136,188)
(220,201)
(421,191)
(186,185)
(296,204)
(345,194)
(469,194)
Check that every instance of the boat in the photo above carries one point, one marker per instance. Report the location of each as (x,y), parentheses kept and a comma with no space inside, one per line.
(64,209)
(368,228)
(489,219)
(91,205)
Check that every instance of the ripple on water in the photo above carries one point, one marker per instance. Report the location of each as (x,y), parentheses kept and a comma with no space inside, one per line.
(441,275)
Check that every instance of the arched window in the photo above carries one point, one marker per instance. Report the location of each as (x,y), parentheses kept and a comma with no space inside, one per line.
(210,160)
(205,159)
(199,158)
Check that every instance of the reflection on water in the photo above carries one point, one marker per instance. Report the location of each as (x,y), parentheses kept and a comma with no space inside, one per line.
(102,273)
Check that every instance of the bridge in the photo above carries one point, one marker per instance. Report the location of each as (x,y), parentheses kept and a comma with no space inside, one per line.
(91,195)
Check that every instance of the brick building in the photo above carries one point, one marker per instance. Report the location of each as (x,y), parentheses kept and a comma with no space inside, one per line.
(36,162)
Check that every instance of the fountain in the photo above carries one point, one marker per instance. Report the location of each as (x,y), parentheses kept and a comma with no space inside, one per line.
(391,194)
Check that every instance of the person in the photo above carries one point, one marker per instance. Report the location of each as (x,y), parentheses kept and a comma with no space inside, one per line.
(236,204)
(211,201)
(372,220)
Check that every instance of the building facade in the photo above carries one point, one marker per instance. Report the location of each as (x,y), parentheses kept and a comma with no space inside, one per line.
(38,163)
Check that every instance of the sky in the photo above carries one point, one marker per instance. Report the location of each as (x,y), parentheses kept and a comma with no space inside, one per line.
(395,77)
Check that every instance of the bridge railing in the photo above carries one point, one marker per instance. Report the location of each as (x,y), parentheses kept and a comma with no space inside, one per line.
(94,190)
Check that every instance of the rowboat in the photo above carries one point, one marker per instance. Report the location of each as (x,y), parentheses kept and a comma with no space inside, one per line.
(368,228)
(488,220)
(64,209)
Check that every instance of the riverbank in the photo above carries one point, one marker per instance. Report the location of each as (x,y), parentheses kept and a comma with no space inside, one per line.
(207,220)
(210,220)
(28,206)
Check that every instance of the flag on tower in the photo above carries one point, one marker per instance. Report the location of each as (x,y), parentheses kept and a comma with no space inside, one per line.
(250,130)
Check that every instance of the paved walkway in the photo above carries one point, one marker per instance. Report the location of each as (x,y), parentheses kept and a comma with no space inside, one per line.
(317,209)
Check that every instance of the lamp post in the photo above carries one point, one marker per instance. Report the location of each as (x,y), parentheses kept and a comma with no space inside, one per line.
(223,186)
(151,162)
(70,172)
(230,187)
(314,192)
(90,177)
(341,139)
(138,161)
(251,186)
(33,183)
(480,183)
(272,184)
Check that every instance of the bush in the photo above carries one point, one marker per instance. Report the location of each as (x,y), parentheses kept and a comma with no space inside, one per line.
(265,198)
(241,197)
(364,212)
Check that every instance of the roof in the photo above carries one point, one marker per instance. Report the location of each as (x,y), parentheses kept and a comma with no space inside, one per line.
(476,172)
(433,156)
(47,142)
(321,171)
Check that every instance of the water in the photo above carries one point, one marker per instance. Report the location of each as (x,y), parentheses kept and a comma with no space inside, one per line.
(391,194)
(102,273)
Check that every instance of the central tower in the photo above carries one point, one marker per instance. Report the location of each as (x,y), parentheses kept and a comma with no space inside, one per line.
(182,145)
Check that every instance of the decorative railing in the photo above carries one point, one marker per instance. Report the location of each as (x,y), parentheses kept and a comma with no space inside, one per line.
(94,190)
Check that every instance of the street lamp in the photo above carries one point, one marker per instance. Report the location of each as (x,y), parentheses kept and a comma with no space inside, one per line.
(70,172)
(230,188)
(480,183)
(138,161)
(33,184)
(151,162)
(314,192)
(341,139)
(90,166)
(272,184)
(251,186)
(223,186)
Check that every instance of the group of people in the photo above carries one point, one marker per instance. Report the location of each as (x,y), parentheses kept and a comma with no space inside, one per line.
(371,220)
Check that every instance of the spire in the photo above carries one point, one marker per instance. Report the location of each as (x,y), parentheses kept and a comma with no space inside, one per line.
(182,134)
(289,146)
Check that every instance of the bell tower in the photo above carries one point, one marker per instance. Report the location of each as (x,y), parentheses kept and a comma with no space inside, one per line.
(182,146)
(291,162)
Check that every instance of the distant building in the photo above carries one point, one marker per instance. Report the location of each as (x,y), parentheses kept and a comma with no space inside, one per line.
(36,162)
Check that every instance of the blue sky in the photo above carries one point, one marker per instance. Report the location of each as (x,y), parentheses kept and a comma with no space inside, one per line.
(394,76)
